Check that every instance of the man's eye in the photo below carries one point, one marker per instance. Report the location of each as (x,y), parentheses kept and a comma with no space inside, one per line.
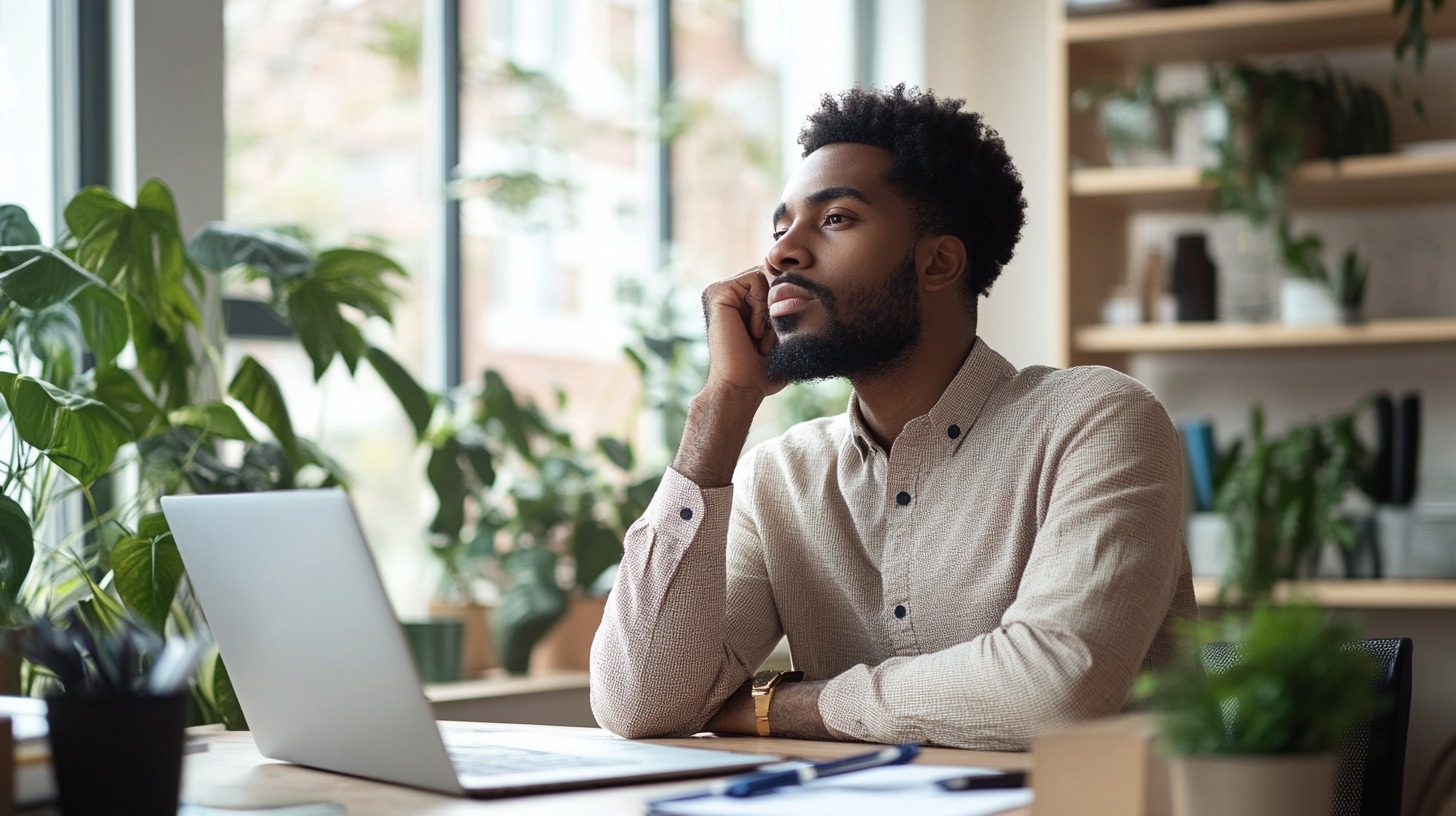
(777,234)
(835,219)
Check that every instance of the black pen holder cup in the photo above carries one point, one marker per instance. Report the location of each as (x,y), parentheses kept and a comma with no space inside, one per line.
(120,756)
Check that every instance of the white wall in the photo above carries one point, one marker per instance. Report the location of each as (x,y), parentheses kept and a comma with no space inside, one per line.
(1003,57)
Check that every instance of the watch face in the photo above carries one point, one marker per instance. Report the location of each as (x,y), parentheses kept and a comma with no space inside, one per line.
(761,680)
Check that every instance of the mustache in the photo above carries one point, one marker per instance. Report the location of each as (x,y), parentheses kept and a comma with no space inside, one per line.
(820,290)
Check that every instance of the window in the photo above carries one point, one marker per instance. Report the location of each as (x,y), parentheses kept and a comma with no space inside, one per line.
(591,172)
(27,112)
(330,129)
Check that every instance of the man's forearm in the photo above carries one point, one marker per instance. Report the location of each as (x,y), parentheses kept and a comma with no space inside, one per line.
(794,713)
(717,426)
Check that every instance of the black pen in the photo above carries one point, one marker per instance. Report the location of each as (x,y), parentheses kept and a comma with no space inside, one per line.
(991,781)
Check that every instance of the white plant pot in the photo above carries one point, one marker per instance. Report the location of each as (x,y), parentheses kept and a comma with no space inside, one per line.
(1300,785)
(1305,302)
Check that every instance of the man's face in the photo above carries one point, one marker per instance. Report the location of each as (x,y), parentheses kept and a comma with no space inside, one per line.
(844,294)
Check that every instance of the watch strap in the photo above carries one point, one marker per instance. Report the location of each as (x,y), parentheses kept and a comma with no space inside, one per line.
(764,686)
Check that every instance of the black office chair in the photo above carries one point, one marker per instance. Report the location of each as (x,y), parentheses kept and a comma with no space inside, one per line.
(1372,759)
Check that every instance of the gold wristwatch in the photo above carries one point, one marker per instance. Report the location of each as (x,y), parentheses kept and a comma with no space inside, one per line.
(764,684)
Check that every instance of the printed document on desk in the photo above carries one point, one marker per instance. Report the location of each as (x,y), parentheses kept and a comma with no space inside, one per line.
(878,791)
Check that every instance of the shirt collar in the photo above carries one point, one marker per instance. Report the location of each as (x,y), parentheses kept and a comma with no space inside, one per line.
(983,371)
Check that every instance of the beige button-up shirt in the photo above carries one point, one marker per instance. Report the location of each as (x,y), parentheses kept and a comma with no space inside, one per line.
(1009,566)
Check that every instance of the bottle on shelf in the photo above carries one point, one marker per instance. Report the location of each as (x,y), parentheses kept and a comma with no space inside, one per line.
(1195,278)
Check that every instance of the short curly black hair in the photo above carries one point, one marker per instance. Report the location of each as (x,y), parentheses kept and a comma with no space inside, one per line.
(950,166)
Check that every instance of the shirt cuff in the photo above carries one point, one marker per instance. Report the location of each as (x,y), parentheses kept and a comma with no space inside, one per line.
(682,507)
(842,703)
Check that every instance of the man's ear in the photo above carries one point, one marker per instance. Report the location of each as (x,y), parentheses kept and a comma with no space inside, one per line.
(941,260)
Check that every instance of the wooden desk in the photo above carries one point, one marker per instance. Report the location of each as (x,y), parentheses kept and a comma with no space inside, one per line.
(229,771)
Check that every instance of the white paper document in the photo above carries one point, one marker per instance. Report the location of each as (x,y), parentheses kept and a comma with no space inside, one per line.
(894,789)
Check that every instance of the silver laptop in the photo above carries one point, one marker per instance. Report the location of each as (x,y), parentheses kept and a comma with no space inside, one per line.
(324,674)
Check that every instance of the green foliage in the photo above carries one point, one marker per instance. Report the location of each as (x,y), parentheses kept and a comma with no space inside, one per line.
(1269,133)
(1298,686)
(1304,258)
(1284,499)
(123,278)
(1413,40)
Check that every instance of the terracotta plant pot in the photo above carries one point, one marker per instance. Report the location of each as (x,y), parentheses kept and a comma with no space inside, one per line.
(479,655)
(1300,785)
(567,647)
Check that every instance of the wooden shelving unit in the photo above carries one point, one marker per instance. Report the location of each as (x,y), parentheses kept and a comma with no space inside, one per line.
(1357,181)
(1100,201)
(1392,594)
(1259,337)
(1243,29)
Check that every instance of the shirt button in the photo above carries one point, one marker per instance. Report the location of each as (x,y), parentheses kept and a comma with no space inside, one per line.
(902,499)
(900,611)
(687,514)
(953,431)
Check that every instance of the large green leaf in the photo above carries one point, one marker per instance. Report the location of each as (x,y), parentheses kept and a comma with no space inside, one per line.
(529,607)
(216,418)
(148,570)
(616,450)
(17,549)
(356,277)
(165,360)
(120,392)
(256,389)
(500,404)
(595,548)
(222,246)
(15,226)
(321,328)
(447,477)
(138,251)
(54,339)
(80,435)
(418,404)
(104,322)
(217,687)
(41,277)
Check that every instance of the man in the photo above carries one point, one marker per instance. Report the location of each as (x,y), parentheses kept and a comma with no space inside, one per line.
(971,554)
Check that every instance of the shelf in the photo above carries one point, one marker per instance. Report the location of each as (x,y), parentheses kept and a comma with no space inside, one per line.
(1243,29)
(1390,594)
(1261,336)
(1392,179)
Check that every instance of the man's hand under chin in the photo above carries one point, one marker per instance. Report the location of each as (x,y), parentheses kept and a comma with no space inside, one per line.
(794,713)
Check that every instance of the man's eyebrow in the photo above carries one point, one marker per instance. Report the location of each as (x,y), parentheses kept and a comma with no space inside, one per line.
(822,197)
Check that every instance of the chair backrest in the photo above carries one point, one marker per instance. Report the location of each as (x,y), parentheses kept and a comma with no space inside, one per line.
(1372,758)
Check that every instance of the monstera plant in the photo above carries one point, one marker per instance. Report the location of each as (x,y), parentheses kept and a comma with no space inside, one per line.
(104,365)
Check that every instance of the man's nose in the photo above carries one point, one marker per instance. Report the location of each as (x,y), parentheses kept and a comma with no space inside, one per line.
(787,253)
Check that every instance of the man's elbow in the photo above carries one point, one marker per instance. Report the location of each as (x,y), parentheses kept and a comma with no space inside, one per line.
(631,721)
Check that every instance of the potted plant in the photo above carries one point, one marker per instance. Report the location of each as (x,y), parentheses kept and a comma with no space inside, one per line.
(1258,736)
(1136,122)
(117,710)
(121,279)
(1285,498)
(1313,295)
(542,517)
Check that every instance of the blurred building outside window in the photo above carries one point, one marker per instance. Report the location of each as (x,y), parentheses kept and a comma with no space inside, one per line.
(330,128)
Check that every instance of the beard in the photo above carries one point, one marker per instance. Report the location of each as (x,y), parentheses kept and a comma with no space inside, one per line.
(872,329)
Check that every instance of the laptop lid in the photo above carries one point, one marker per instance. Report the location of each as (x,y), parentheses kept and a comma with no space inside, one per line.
(311,643)
(324,673)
